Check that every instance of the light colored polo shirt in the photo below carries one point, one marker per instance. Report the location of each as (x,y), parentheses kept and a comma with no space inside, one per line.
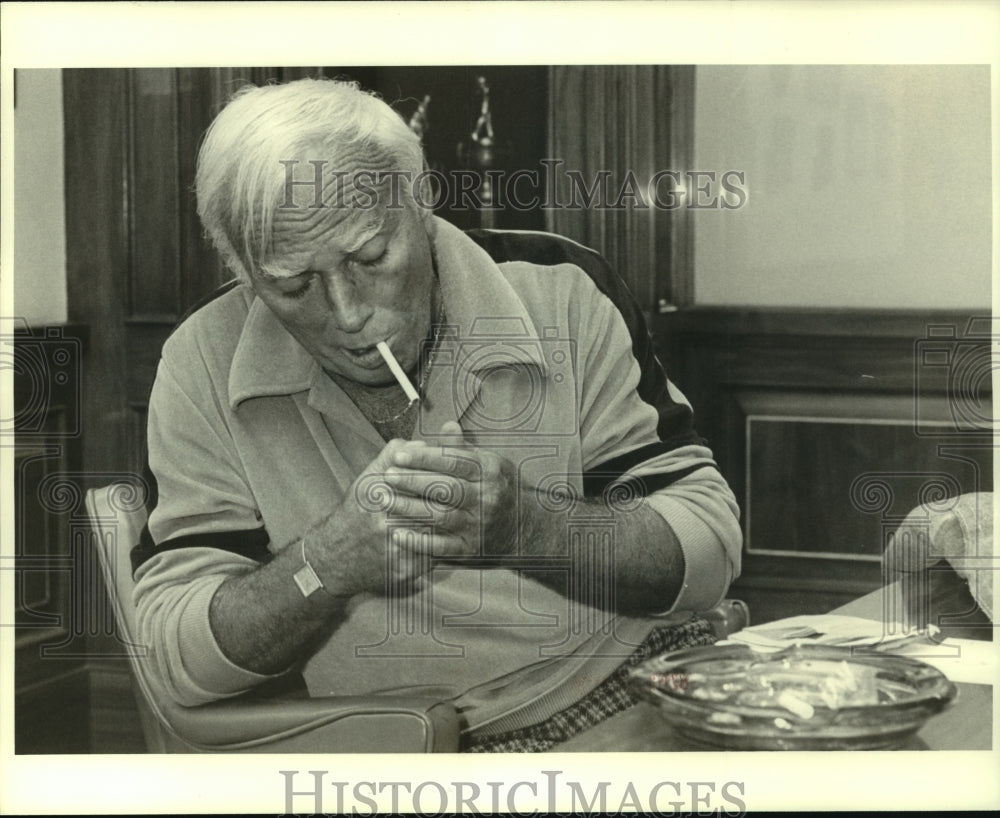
(250,440)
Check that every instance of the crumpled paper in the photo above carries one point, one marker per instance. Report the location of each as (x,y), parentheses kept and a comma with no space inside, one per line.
(958,529)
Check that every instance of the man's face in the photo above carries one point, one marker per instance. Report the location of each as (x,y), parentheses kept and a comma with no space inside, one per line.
(361,276)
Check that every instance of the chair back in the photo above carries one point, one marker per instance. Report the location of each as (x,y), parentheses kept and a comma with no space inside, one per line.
(117,514)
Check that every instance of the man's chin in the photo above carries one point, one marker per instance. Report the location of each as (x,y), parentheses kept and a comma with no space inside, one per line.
(361,375)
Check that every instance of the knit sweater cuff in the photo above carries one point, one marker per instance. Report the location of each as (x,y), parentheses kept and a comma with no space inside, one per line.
(208,670)
(707,570)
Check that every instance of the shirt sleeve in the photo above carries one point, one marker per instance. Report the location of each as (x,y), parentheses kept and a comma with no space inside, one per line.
(203,518)
(639,440)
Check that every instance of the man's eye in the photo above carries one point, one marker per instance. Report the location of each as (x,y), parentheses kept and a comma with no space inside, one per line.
(372,262)
(299,292)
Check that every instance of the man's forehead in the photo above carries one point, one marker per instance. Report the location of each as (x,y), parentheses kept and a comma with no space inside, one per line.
(298,235)
(341,178)
(332,204)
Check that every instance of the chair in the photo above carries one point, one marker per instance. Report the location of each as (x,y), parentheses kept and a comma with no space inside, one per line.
(273,719)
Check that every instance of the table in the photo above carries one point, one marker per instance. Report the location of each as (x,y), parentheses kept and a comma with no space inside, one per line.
(966,725)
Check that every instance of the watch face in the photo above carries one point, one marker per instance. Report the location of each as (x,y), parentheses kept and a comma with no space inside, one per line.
(306,577)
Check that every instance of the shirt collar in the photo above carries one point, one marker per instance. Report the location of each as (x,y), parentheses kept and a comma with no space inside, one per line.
(268,360)
(481,307)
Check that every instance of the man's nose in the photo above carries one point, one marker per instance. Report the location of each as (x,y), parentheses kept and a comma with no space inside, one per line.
(348,303)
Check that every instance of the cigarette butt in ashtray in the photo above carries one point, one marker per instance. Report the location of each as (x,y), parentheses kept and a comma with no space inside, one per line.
(397,371)
(794,704)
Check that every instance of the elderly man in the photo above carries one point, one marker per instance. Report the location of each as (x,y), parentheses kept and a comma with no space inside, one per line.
(541,516)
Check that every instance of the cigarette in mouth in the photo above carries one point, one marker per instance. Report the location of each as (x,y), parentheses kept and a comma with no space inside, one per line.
(397,370)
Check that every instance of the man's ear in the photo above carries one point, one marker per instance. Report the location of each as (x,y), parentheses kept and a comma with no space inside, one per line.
(422,193)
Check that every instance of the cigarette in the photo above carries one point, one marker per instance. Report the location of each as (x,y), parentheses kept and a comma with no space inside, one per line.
(397,370)
(794,704)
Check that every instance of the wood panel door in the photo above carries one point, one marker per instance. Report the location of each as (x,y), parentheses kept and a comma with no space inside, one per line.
(135,256)
(134,260)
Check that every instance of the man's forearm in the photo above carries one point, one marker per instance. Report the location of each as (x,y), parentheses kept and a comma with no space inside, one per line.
(262,622)
(646,561)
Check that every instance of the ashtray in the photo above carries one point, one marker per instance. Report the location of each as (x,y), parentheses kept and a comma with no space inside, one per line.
(801,698)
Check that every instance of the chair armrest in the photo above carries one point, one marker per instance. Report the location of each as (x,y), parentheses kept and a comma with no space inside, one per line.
(347,724)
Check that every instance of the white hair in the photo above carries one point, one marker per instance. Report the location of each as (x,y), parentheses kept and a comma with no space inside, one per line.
(241,179)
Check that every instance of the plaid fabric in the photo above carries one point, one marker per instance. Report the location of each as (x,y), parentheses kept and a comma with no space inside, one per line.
(609,697)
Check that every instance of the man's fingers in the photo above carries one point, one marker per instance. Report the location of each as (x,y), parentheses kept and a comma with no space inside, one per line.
(415,544)
(411,507)
(451,434)
(438,488)
(438,517)
(460,463)
(386,457)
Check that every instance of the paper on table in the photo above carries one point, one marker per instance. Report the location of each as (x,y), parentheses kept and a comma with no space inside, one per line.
(961,660)
(822,629)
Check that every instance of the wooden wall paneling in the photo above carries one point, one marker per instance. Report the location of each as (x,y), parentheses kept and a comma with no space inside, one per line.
(53,717)
(51,694)
(118,266)
(97,250)
(644,112)
(675,241)
(154,241)
(113,718)
(137,434)
(146,340)
(44,562)
(200,96)
(802,408)
(824,474)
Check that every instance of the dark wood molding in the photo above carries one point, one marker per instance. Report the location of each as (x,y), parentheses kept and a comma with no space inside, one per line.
(69,329)
(853,587)
(819,321)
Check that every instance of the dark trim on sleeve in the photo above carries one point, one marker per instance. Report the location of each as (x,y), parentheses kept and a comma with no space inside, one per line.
(676,423)
(621,464)
(598,483)
(251,543)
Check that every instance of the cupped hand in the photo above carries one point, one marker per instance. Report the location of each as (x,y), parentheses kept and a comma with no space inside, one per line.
(374,541)
(467,496)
